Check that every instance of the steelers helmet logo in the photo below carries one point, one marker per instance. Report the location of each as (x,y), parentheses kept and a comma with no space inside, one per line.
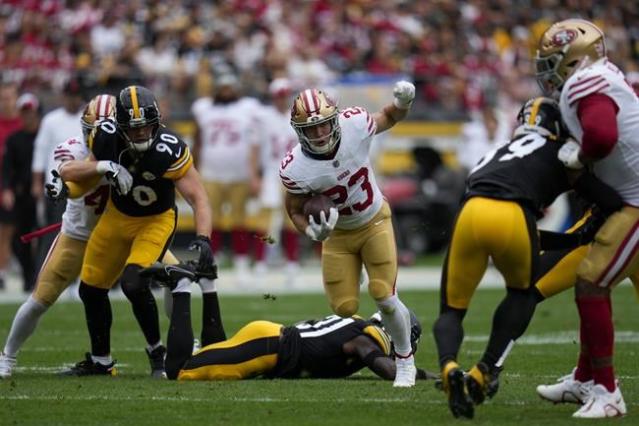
(564,37)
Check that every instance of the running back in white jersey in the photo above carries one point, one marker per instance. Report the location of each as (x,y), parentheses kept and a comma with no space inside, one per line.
(81,214)
(620,169)
(228,131)
(277,137)
(347,178)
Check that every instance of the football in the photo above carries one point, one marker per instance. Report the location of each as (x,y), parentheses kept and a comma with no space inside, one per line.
(316,204)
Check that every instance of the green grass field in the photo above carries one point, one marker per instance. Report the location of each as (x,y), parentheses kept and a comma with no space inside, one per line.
(35,395)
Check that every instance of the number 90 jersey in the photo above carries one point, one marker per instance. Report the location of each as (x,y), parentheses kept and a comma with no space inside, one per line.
(347,178)
(154,171)
(526,170)
(81,214)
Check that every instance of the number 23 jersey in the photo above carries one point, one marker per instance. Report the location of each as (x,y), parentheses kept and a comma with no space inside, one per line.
(347,178)
(154,171)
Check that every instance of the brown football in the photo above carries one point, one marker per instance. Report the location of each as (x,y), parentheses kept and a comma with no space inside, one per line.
(316,204)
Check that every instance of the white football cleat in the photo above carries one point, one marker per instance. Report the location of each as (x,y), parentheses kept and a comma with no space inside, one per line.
(405,372)
(602,404)
(567,389)
(7,364)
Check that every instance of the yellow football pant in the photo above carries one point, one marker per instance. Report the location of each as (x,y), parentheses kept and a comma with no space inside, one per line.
(250,352)
(488,228)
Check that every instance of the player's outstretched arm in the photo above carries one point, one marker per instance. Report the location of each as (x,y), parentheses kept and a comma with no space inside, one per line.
(403,95)
(366,350)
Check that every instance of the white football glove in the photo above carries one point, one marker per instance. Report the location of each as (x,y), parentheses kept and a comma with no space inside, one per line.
(569,154)
(404,93)
(321,231)
(117,175)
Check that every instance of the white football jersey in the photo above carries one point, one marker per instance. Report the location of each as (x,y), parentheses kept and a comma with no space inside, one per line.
(80,214)
(228,131)
(348,178)
(276,139)
(620,169)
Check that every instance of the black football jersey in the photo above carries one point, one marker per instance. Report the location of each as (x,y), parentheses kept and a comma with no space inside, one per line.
(153,171)
(526,170)
(321,346)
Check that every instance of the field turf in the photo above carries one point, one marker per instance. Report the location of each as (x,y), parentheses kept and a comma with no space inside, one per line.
(35,395)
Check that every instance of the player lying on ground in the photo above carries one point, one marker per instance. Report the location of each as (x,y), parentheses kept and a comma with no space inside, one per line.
(332,347)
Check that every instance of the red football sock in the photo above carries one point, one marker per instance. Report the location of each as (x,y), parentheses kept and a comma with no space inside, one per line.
(291,242)
(597,327)
(583,372)
(259,247)
(240,241)
(216,240)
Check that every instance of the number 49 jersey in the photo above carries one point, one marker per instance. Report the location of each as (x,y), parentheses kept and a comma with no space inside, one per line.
(81,214)
(525,170)
(347,178)
(153,171)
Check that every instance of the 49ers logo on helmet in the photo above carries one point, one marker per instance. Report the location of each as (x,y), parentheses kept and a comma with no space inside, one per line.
(564,37)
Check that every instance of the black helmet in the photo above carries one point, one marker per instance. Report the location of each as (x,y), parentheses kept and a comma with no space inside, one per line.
(541,115)
(137,107)
(415,328)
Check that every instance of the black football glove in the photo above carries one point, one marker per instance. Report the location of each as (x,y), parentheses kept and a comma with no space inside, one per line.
(56,190)
(589,229)
(205,262)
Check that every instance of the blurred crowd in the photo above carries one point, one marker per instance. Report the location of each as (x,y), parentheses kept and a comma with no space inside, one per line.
(463,54)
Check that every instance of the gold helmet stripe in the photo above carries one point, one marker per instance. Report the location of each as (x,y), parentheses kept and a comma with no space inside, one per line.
(380,337)
(534,110)
(134,102)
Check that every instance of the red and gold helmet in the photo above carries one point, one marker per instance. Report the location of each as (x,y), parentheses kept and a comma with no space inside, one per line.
(564,48)
(312,110)
(99,108)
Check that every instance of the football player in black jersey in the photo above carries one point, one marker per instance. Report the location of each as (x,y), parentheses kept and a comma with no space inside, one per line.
(145,163)
(331,347)
(506,192)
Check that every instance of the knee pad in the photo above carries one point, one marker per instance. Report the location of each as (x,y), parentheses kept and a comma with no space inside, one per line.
(346,308)
(131,281)
(379,289)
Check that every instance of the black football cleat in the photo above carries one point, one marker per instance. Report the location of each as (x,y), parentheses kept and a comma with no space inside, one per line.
(87,367)
(168,275)
(459,402)
(156,359)
(482,382)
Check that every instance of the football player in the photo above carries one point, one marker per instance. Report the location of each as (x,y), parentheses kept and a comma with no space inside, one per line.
(332,158)
(332,347)
(278,138)
(64,260)
(506,192)
(600,108)
(228,155)
(145,162)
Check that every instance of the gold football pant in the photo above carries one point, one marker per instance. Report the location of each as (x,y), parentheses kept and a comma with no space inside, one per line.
(558,269)
(61,266)
(234,193)
(250,352)
(343,254)
(485,229)
(120,240)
